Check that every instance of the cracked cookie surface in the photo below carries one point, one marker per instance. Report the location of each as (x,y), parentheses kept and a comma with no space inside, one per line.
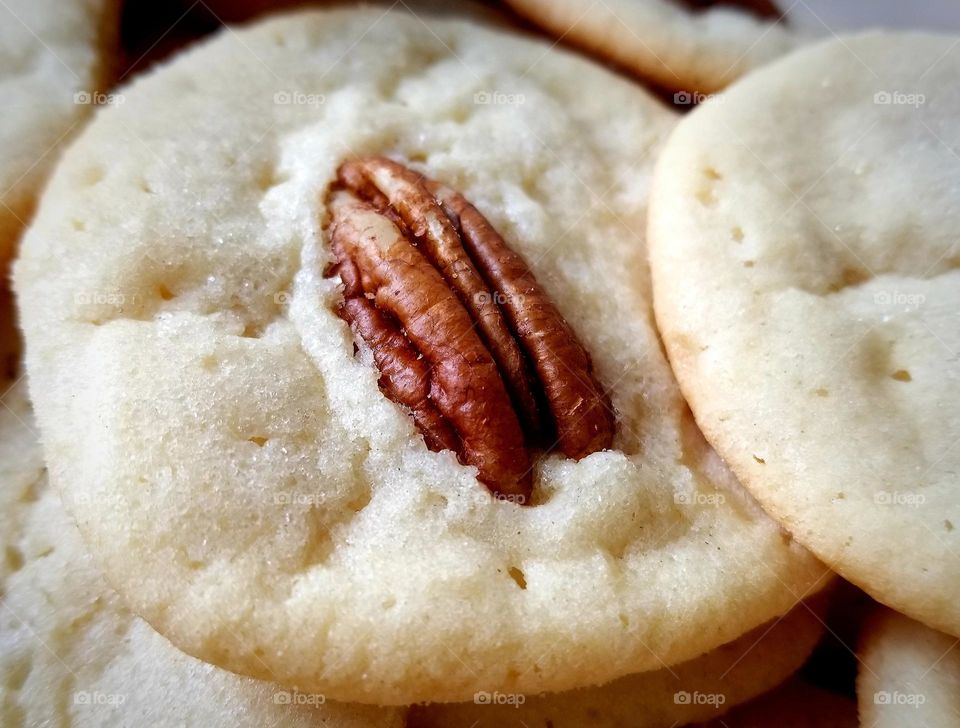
(269,509)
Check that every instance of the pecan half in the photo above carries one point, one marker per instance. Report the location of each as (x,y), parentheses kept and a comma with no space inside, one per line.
(461,332)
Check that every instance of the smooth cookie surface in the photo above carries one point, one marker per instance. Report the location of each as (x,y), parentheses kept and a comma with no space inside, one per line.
(807,284)
(909,674)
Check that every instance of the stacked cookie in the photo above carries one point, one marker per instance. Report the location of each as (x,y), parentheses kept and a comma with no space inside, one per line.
(339,396)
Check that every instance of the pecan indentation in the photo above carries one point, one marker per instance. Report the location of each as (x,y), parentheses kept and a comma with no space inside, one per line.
(461,332)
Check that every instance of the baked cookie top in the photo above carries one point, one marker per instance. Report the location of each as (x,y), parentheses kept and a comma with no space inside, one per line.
(51,65)
(70,652)
(687,46)
(229,457)
(909,674)
(805,266)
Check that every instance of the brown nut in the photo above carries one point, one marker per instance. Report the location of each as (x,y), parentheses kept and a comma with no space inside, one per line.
(461,332)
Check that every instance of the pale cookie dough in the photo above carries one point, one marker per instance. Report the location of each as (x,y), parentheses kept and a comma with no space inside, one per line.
(909,675)
(696,690)
(270,510)
(806,268)
(664,41)
(70,654)
(54,60)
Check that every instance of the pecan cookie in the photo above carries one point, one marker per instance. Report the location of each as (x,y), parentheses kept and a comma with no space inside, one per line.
(71,654)
(807,279)
(690,46)
(909,674)
(348,315)
(54,60)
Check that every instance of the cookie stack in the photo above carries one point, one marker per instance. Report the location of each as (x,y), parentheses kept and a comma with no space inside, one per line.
(391,366)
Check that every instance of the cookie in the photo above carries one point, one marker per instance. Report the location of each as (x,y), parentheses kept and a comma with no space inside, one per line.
(70,652)
(689,46)
(909,675)
(696,690)
(795,705)
(53,64)
(809,303)
(271,511)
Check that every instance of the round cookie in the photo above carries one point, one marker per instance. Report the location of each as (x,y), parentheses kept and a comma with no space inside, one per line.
(794,705)
(69,651)
(909,675)
(696,690)
(806,268)
(269,510)
(53,63)
(673,43)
